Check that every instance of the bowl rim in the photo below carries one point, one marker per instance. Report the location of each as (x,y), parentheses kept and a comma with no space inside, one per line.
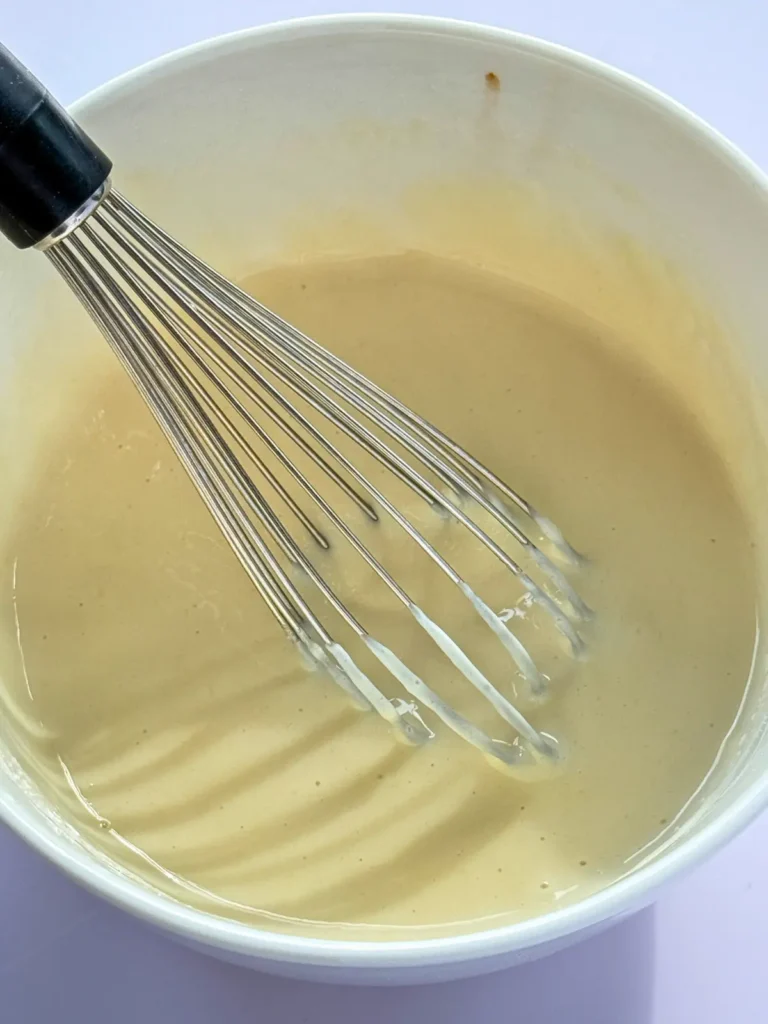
(629,893)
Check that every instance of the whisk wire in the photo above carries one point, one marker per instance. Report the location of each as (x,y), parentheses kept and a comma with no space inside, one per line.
(230,341)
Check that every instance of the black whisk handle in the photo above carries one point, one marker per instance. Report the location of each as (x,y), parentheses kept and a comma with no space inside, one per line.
(49,167)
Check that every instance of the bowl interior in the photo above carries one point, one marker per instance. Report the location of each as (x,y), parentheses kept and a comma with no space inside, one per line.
(348,136)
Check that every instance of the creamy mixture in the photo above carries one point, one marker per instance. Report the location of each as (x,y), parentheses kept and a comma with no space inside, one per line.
(188,738)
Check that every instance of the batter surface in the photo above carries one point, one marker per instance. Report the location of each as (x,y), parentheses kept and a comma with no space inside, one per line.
(186,736)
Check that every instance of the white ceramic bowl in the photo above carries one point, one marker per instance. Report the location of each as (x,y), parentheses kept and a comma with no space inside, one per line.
(232,142)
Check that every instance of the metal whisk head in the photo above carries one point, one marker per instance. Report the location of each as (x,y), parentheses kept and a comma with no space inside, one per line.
(247,401)
(230,381)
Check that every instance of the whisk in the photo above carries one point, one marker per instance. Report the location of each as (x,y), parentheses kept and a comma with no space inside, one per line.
(207,357)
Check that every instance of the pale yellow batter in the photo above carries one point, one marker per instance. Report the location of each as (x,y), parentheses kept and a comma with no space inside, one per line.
(193,745)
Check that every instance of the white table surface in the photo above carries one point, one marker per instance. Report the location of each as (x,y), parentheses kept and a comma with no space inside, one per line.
(701,955)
